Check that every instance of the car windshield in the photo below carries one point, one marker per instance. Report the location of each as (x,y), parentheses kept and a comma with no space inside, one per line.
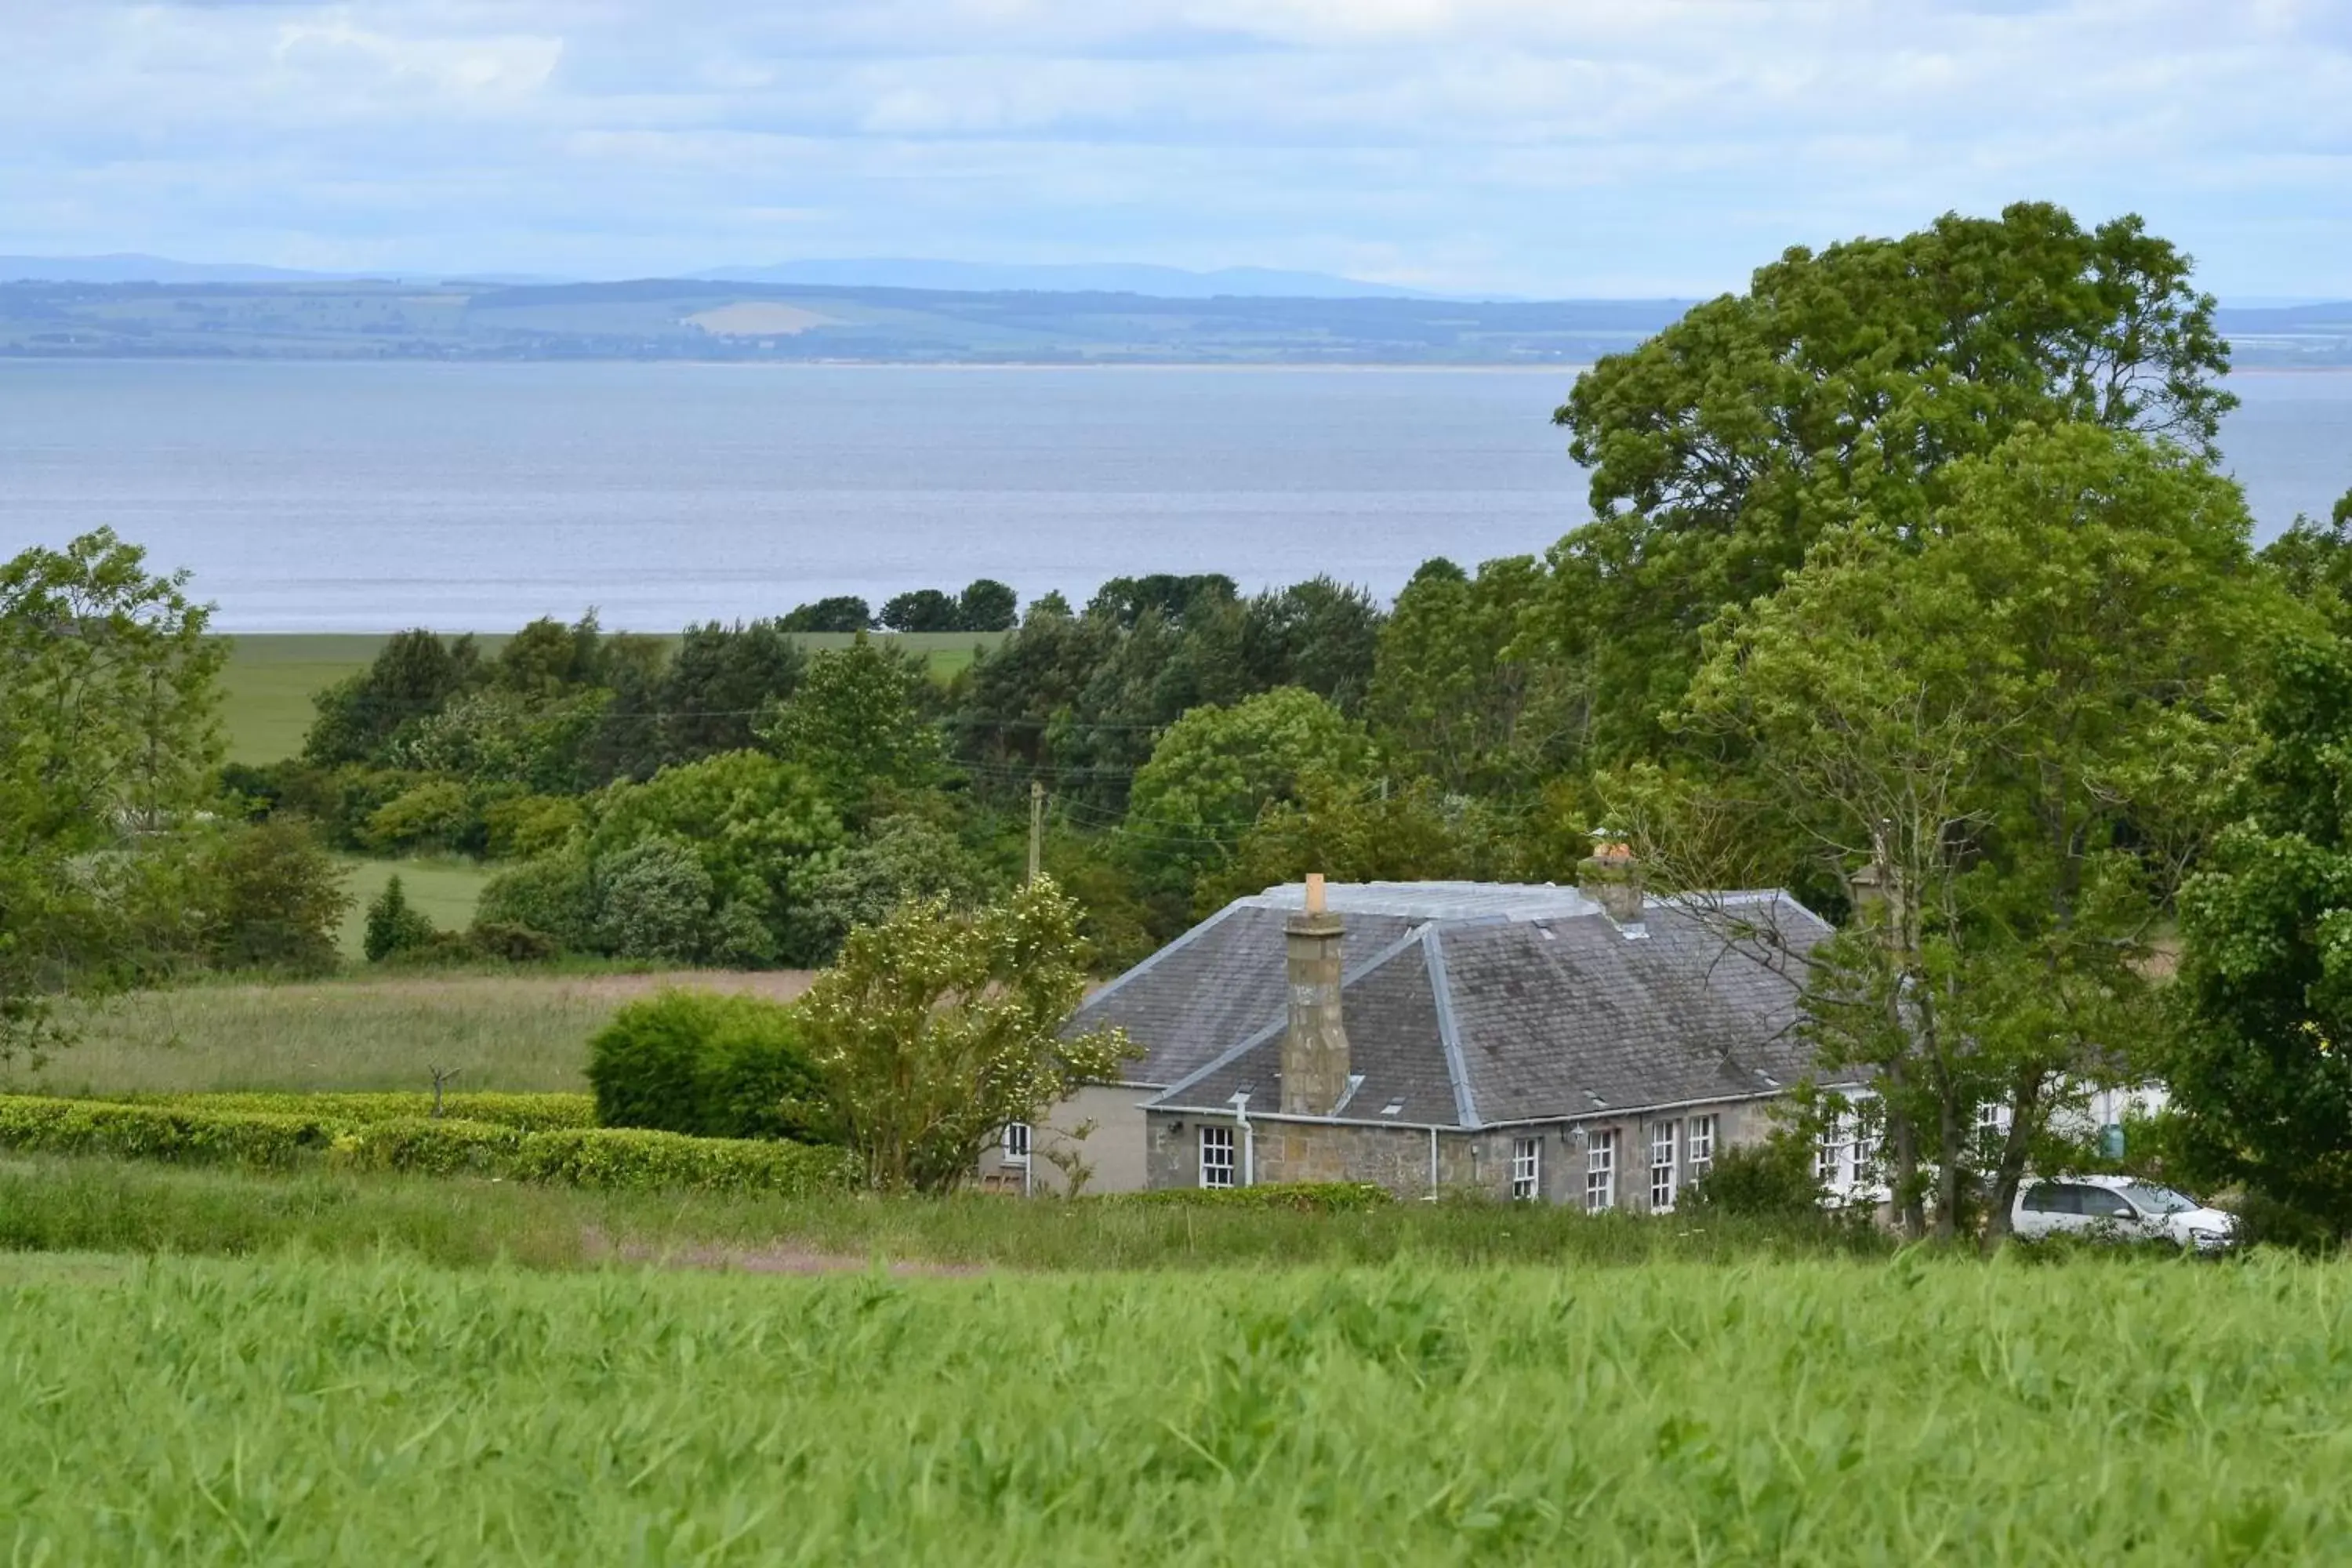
(2150,1199)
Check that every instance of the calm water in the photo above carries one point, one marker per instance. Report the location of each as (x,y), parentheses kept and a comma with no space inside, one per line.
(328,496)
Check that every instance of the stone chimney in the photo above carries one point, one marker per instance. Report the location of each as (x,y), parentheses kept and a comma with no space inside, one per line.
(1315,1047)
(1611,877)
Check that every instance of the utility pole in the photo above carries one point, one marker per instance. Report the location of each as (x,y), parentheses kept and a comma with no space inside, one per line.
(1036,825)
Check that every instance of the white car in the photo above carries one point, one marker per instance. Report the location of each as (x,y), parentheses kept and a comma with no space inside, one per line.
(2119,1208)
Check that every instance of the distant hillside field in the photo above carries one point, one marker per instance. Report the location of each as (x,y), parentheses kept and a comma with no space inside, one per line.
(272,677)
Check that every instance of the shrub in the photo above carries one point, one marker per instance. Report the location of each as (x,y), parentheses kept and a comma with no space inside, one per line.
(392,927)
(512,944)
(634,1159)
(653,901)
(523,827)
(272,899)
(1770,1180)
(705,1065)
(435,815)
(1302,1197)
(550,895)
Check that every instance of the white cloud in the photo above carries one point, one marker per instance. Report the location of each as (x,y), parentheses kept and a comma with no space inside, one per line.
(1531,145)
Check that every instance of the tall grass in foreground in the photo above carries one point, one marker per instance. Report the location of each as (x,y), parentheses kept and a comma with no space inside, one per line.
(72,1204)
(1799,1412)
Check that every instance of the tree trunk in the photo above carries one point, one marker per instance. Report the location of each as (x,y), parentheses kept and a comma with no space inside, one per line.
(2009,1171)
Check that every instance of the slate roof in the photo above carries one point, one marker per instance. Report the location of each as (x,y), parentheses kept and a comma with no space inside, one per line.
(1473,1004)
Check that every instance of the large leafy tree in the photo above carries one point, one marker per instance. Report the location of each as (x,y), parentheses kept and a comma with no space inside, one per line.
(934,1029)
(1454,694)
(860,722)
(1844,382)
(108,693)
(2261,1071)
(2004,716)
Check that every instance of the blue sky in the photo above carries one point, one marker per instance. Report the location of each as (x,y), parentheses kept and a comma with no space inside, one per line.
(1534,147)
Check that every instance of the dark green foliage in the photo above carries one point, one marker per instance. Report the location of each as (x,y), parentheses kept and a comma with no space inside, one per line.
(921,610)
(1772,1179)
(413,675)
(714,688)
(903,858)
(2260,1073)
(392,927)
(1321,635)
(860,722)
(842,612)
(706,1064)
(271,898)
(1124,601)
(512,944)
(987,606)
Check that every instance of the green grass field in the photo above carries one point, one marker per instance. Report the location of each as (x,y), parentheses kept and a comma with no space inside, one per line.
(271,677)
(302,1409)
(444,891)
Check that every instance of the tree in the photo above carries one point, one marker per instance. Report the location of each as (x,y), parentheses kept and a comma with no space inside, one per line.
(922,610)
(988,606)
(2260,1070)
(904,858)
(756,824)
(393,926)
(1845,381)
(717,683)
(842,612)
(1321,635)
(858,723)
(933,1030)
(108,693)
(271,898)
(2003,718)
(411,676)
(1216,769)
(1453,690)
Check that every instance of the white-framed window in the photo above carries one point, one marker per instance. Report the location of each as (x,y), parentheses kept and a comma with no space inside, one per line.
(1217,1156)
(1601,1170)
(1526,1167)
(1698,1153)
(1016,1143)
(1844,1159)
(1664,1139)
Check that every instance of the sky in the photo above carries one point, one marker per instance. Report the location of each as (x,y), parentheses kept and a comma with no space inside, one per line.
(1540,148)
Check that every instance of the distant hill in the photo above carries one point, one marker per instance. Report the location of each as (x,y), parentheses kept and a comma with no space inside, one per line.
(129,267)
(1095,278)
(708,319)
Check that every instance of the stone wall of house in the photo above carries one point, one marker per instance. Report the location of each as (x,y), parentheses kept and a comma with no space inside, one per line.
(1397,1158)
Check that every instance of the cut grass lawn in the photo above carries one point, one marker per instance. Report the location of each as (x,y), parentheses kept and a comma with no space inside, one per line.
(512,1030)
(443,890)
(272,677)
(305,1409)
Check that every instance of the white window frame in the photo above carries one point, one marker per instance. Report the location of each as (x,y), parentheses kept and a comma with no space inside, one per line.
(1014,1149)
(1220,1164)
(1527,1168)
(1698,1147)
(1666,1174)
(1601,1170)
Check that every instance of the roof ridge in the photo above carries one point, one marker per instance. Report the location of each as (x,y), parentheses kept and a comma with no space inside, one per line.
(1449,1035)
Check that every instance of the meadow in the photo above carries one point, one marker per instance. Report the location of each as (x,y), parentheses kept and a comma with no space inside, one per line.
(303,1409)
(501,1029)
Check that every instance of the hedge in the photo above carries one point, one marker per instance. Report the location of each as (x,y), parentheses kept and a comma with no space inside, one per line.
(628,1157)
(616,1158)
(1304,1197)
(526,1112)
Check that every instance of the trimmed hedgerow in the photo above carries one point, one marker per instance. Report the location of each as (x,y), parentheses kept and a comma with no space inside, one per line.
(525,1112)
(159,1131)
(424,1146)
(621,1158)
(635,1158)
(1304,1197)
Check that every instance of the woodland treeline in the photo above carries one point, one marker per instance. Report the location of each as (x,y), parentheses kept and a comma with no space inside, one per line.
(1911,583)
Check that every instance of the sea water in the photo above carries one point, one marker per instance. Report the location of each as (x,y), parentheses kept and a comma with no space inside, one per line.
(311,495)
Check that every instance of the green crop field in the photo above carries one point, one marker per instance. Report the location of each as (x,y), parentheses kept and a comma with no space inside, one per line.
(444,891)
(272,677)
(300,1409)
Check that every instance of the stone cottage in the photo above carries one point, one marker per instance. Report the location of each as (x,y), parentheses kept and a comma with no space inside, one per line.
(1590,1045)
